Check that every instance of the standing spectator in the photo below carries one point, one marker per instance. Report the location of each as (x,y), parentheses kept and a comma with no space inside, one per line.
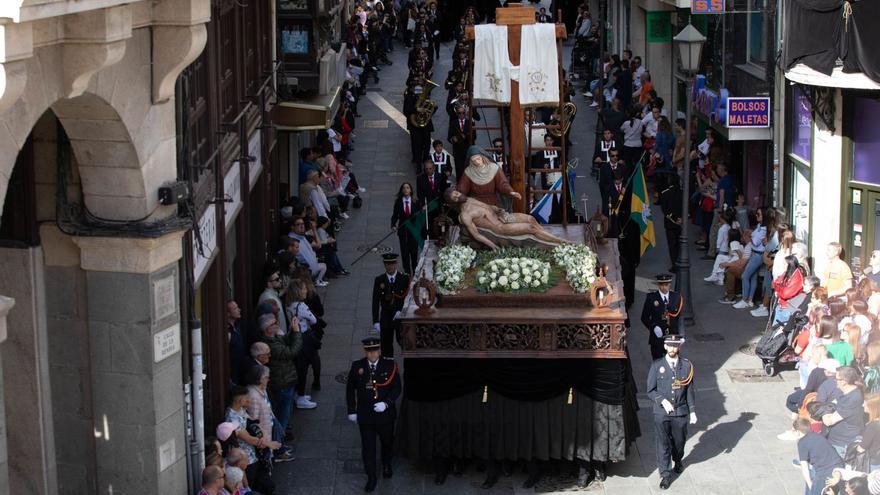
(663,145)
(837,276)
(679,153)
(817,457)
(632,138)
(846,423)
(308,356)
(258,474)
(271,295)
(212,481)
(237,347)
(404,211)
(724,194)
(259,408)
(284,350)
(259,354)
(750,275)
(623,84)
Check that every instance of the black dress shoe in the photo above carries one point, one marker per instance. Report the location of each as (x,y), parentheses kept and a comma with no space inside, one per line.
(664,483)
(678,467)
(386,472)
(531,481)
(371,485)
(440,478)
(600,475)
(584,479)
(490,482)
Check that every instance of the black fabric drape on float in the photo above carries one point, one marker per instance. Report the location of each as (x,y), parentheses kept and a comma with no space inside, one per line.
(431,380)
(822,31)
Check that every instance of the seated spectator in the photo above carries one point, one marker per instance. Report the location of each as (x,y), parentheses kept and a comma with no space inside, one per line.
(307,254)
(789,287)
(212,481)
(871,434)
(872,368)
(818,457)
(841,346)
(846,423)
(729,252)
(213,452)
(236,458)
(234,481)
(857,314)
(733,271)
(328,250)
(837,276)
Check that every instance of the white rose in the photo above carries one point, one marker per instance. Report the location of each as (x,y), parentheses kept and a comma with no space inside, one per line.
(494,267)
(493,284)
(514,276)
(502,280)
(536,273)
(493,275)
(514,285)
(507,271)
(545,278)
(536,283)
(527,279)
(482,280)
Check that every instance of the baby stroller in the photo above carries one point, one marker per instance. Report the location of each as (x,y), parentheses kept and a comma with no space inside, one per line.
(775,347)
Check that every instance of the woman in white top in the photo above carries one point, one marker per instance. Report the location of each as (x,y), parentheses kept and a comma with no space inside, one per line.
(308,356)
(632,138)
(723,260)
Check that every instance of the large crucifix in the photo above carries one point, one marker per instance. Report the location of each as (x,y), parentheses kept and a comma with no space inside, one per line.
(514,17)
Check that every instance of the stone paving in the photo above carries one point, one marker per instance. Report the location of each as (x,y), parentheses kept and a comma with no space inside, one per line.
(733,449)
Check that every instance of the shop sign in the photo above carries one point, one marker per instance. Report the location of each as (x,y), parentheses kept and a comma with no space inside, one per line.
(232,189)
(658,27)
(255,150)
(208,233)
(707,7)
(710,103)
(748,112)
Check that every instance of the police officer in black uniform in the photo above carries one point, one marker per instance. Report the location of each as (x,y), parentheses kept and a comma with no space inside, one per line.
(389,291)
(372,388)
(670,388)
(670,202)
(661,314)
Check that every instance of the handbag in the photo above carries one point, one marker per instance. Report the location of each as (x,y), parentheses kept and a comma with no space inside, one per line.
(819,409)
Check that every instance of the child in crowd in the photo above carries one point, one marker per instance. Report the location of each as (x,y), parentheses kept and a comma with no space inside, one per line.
(443,161)
(729,251)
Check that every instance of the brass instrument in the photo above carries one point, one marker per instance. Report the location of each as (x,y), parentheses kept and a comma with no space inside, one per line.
(569,110)
(425,107)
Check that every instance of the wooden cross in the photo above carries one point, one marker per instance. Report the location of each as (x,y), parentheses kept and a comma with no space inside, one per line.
(514,17)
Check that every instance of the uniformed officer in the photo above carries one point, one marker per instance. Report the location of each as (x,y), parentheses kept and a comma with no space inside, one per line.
(372,388)
(389,291)
(660,314)
(670,388)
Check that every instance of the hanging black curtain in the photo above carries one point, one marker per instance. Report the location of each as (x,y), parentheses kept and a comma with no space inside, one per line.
(431,380)
(822,31)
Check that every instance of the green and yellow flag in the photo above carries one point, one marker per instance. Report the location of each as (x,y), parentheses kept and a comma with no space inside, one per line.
(640,212)
(417,224)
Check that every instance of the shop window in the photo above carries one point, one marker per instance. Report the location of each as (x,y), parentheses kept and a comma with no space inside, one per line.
(758,24)
(800,203)
(801,125)
(865,141)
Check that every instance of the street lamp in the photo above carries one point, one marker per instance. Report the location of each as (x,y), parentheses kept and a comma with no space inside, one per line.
(690,44)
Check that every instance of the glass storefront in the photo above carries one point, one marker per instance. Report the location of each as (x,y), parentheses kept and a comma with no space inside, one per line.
(798,162)
(861,151)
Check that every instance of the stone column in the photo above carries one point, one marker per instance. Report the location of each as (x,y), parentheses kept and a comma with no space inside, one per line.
(6,304)
(135,342)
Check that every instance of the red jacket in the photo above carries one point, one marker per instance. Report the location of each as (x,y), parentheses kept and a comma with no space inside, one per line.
(787,289)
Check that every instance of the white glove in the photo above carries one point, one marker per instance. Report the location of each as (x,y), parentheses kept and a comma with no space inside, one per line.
(397,315)
(380,407)
(376,327)
(667,406)
(693,418)
(658,332)
(353,418)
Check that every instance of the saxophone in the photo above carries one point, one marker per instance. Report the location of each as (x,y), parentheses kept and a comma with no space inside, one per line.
(425,107)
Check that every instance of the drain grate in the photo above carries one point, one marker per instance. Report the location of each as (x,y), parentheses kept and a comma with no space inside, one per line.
(397,174)
(378,249)
(376,124)
(748,349)
(708,337)
(342,377)
(751,376)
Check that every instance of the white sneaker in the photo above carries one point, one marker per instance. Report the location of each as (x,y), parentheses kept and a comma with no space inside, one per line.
(304,403)
(789,436)
(322,283)
(711,278)
(362,190)
(760,311)
(344,215)
(719,282)
(743,304)
(594,104)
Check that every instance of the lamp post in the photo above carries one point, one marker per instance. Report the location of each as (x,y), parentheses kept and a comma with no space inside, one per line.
(690,44)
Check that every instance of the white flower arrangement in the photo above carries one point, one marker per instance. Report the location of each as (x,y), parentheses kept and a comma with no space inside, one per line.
(452,263)
(514,274)
(579,263)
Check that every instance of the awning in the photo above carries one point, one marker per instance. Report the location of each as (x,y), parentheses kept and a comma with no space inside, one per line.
(307,114)
(679,4)
(800,73)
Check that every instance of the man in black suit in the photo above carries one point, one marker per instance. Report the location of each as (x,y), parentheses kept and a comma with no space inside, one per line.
(670,203)
(403,222)
(389,291)
(460,131)
(430,186)
(419,137)
(661,314)
(607,187)
(372,388)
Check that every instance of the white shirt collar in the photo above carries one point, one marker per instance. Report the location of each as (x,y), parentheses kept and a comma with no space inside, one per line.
(391,275)
(672,362)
